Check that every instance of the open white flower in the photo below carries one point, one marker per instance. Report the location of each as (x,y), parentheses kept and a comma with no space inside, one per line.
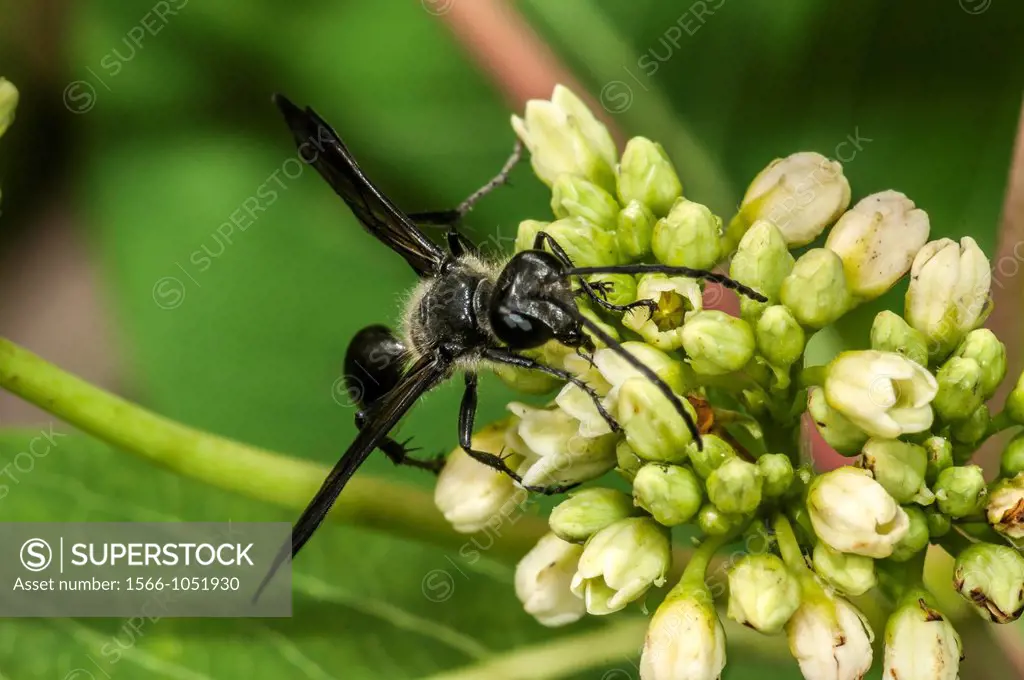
(564,137)
(883,393)
(949,292)
(677,297)
(543,577)
(620,562)
(685,640)
(471,495)
(830,639)
(877,240)
(853,513)
(554,453)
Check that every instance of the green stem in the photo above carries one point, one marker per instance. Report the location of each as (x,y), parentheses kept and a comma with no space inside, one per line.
(228,464)
(697,568)
(811,376)
(1001,421)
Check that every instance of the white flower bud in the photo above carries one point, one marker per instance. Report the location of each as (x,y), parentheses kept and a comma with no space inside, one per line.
(586,244)
(1005,510)
(645,174)
(676,296)
(882,393)
(830,639)
(949,292)
(471,495)
(800,194)
(8,103)
(564,137)
(851,575)
(542,582)
(527,234)
(763,594)
(620,562)
(554,453)
(851,512)
(877,240)
(685,640)
(653,427)
(920,644)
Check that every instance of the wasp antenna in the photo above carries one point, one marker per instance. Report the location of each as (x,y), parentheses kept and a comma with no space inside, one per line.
(614,345)
(668,269)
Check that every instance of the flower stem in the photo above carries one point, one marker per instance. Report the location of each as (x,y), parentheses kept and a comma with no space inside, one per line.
(228,464)
(789,546)
(1001,421)
(697,568)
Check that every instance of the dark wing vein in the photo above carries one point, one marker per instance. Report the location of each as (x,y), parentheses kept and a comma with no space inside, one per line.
(321,147)
(423,375)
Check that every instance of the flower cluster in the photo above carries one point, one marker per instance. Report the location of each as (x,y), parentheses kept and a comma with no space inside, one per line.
(909,411)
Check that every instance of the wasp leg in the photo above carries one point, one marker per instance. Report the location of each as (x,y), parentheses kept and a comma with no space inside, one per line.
(501,355)
(467,416)
(399,452)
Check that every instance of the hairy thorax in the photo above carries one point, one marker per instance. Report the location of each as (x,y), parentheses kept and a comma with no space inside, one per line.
(448,313)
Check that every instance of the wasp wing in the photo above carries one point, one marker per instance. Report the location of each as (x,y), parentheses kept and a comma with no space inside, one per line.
(382,418)
(321,147)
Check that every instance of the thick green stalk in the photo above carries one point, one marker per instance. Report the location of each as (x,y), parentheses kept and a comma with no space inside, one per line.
(265,475)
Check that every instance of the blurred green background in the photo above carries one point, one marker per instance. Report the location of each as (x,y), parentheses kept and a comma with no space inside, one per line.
(141,144)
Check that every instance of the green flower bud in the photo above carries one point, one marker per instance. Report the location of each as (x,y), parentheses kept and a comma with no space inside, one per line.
(877,240)
(949,293)
(616,370)
(849,574)
(762,261)
(623,288)
(628,463)
(938,524)
(586,244)
(763,593)
(940,457)
(841,434)
(636,226)
(646,174)
(991,578)
(916,539)
(525,380)
(527,234)
(1015,402)
(972,430)
(717,343)
(777,472)
(780,339)
(983,346)
(653,427)
(735,487)
(676,296)
(890,333)
(960,491)
(899,467)
(816,290)
(1012,462)
(714,522)
(587,511)
(672,494)
(689,236)
(620,562)
(960,387)
(1005,509)
(8,103)
(564,137)
(920,643)
(800,194)
(573,196)
(714,452)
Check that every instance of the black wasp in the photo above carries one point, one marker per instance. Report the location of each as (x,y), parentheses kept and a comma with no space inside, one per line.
(466,313)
